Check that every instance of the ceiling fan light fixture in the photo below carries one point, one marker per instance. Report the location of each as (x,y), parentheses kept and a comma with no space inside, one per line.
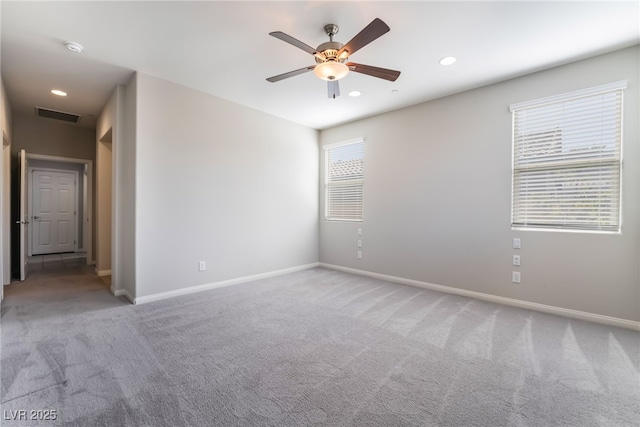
(331,70)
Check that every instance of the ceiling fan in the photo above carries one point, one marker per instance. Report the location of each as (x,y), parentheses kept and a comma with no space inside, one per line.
(331,57)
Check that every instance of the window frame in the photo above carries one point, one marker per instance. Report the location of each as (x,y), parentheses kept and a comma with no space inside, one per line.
(326,148)
(560,226)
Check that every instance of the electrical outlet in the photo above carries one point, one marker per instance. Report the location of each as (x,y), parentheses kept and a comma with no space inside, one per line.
(359,255)
(202,266)
(359,243)
(515,276)
(516,260)
(516,243)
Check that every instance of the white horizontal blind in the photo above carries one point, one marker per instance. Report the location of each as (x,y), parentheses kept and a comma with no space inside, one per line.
(567,162)
(344,181)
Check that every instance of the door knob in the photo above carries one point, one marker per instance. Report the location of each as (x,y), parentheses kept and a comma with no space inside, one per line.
(36,217)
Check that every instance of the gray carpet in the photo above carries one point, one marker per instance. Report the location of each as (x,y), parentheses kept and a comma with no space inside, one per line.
(313,347)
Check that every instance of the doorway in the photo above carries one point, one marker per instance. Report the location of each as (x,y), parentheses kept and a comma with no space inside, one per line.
(55,218)
(104,205)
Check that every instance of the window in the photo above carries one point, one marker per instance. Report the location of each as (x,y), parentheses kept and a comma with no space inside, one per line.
(344,175)
(567,158)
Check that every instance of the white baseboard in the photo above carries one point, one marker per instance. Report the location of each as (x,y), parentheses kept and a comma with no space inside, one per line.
(122,292)
(566,312)
(103,272)
(220,284)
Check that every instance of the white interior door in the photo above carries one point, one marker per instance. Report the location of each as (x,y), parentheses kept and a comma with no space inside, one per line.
(53,208)
(24,230)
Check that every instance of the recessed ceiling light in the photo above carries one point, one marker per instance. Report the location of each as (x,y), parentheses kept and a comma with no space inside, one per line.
(448,60)
(355,93)
(74,47)
(58,92)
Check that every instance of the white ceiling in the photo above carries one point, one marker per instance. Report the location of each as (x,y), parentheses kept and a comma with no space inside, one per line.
(223,48)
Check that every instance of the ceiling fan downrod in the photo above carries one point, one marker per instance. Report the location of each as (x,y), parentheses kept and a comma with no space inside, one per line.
(331,30)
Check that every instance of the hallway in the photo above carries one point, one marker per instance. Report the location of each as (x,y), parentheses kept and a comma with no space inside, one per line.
(43,285)
(48,322)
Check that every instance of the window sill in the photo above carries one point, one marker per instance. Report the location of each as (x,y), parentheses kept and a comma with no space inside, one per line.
(565,230)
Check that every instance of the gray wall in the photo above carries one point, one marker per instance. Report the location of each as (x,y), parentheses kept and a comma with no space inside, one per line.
(125,158)
(438,192)
(5,185)
(116,184)
(106,127)
(221,183)
(51,137)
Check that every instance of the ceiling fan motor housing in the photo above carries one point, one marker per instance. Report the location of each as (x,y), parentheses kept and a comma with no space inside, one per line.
(330,51)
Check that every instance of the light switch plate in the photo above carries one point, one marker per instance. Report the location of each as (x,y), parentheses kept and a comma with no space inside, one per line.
(516,243)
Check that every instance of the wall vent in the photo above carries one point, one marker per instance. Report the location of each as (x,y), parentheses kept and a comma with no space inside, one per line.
(57,115)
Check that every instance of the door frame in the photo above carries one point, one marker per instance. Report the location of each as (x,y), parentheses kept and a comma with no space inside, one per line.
(23,221)
(87,221)
(76,205)
(5,215)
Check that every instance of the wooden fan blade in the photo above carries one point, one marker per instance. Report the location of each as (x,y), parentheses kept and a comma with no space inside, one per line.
(381,73)
(290,74)
(333,89)
(295,42)
(371,32)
